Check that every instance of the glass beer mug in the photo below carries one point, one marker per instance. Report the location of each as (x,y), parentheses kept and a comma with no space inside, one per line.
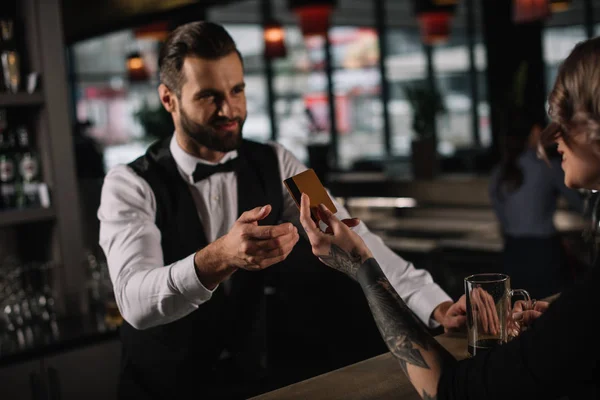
(489,305)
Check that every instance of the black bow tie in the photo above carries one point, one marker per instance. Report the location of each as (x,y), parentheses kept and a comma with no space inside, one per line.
(203,171)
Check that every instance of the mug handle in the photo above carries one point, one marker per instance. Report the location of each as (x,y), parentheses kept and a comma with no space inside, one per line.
(522,292)
(512,323)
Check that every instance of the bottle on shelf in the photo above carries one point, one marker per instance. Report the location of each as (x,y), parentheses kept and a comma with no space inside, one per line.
(8,171)
(29,170)
(10,58)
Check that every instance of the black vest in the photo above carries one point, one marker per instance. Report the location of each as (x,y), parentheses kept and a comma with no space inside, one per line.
(177,356)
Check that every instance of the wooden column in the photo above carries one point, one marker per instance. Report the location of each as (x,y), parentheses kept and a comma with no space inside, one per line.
(60,146)
(508,47)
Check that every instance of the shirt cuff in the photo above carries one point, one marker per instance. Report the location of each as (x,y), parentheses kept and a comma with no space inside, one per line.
(186,281)
(425,301)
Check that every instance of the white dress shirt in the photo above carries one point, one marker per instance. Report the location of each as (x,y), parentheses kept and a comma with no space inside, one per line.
(149,293)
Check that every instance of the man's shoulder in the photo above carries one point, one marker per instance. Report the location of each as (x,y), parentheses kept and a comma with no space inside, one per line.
(121,173)
(154,152)
(140,164)
(124,193)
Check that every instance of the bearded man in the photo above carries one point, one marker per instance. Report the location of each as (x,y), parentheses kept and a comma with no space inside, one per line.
(190,228)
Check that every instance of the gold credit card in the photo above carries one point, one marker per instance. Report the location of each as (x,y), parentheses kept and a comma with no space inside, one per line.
(308,182)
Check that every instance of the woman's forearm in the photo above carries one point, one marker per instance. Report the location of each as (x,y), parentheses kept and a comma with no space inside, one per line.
(421,357)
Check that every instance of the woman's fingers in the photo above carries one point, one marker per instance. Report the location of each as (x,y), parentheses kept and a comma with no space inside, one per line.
(349,222)
(329,218)
(482,315)
(307,222)
(493,313)
(541,306)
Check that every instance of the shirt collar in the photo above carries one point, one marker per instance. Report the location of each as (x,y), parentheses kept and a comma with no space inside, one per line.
(187,162)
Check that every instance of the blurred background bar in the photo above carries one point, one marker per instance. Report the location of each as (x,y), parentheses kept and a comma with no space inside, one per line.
(401,106)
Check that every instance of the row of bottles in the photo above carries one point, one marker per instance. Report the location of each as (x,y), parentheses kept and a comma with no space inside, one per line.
(20,177)
(11,54)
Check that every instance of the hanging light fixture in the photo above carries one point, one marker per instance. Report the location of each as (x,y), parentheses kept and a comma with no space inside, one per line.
(156,31)
(530,10)
(435,27)
(314,15)
(559,5)
(136,68)
(274,36)
(434,18)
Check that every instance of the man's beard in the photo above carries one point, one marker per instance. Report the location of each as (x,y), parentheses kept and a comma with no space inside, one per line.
(206,135)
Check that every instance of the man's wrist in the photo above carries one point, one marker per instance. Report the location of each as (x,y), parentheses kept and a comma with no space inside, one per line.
(439,312)
(211,269)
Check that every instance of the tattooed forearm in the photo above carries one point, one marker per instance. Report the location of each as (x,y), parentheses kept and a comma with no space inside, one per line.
(397,324)
(405,354)
(340,259)
(420,355)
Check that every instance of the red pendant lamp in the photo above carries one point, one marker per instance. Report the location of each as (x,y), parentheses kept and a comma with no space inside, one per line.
(313,15)
(530,10)
(434,18)
(156,30)
(274,36)
(435,27)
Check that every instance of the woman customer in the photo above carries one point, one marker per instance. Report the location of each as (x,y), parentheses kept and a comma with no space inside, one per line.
(559,354)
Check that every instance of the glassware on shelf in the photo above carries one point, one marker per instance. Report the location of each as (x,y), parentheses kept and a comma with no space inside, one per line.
(10,58)
(101,297)
(27,313)
(112,317)
(46,298)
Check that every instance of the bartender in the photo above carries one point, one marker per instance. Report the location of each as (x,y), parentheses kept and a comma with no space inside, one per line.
(190,228)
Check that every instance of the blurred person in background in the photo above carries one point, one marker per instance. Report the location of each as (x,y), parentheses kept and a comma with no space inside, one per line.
(90,170)
(89,156)
(524,192)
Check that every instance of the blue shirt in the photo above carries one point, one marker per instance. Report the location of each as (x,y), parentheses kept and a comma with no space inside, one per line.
(529,211)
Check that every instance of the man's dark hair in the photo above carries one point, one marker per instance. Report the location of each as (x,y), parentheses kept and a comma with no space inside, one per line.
(195,39)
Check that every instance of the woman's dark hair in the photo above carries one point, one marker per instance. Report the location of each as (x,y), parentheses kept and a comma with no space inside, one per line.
(574,107)
(574,102)
(195,39)
(514,143)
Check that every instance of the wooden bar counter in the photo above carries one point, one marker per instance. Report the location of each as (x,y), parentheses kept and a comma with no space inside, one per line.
(376,378)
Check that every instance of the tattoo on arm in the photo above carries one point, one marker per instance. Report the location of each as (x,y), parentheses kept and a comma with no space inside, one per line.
(400,334)
(340,259)
(405,335)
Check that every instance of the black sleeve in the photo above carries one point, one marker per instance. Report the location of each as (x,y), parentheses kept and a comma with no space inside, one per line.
(557,354)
